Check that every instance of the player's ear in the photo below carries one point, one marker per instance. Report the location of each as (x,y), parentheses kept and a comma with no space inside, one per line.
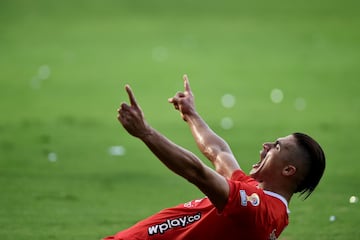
(289,170)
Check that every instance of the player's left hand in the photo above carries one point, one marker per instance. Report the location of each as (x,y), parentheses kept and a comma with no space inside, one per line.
(132,117)
(184,101)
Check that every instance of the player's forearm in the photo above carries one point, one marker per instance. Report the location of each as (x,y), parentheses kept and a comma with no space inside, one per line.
(209,143)
(212,146)
(176,158)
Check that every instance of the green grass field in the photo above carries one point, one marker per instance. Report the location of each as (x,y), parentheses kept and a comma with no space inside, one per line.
(63,65)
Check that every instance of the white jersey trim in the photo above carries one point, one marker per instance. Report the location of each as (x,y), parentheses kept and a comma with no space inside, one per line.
(281,198)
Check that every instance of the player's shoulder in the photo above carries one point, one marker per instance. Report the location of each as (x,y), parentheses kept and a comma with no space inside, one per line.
(241,176)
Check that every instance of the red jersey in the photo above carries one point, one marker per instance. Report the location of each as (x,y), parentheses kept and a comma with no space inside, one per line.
(250,213)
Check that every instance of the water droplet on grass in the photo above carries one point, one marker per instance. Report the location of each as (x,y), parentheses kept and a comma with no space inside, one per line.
(44,72)
(276,95)
(300,104)
(52,157)
(226,123)
(353,199)
(117,151)
(228,100)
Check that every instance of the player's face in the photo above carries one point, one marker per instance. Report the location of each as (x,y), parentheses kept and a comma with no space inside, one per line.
(274,157)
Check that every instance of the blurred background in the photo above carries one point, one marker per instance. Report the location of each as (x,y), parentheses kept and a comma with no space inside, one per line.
(259,70)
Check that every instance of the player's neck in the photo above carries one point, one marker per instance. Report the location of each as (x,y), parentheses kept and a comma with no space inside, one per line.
(282,191)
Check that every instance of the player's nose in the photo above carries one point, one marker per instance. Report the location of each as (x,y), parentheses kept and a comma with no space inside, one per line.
(268,145)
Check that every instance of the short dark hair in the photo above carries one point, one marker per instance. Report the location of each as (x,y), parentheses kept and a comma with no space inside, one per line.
(315,157)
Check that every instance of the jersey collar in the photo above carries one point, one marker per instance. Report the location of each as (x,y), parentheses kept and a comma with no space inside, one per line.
(278,196)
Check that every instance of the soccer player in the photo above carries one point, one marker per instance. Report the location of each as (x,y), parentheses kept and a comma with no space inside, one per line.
(236,206)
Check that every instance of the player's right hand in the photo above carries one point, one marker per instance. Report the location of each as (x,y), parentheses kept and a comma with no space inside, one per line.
(131,116)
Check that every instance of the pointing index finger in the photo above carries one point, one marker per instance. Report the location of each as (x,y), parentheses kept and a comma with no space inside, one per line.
(186,84)
(131,95)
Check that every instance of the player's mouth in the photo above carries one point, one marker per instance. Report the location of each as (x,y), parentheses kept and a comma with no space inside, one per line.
(263,154)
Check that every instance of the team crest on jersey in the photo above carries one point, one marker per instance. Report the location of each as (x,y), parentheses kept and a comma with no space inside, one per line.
(254,199)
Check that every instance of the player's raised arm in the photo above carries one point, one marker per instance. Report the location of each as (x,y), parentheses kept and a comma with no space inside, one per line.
(210,144)
(176,158)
